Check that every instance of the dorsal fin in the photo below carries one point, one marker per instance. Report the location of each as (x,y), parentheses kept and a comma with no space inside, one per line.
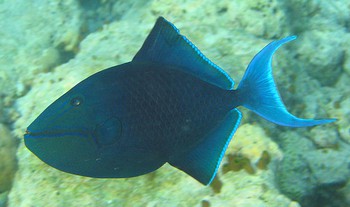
(166,45)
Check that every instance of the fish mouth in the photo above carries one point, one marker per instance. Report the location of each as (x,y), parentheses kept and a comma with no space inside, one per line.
(55,133)
(27,132)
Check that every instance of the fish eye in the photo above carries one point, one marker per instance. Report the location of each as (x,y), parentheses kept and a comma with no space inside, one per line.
(76,101)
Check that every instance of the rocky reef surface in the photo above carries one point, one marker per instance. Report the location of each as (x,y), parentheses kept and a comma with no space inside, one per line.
(49,46)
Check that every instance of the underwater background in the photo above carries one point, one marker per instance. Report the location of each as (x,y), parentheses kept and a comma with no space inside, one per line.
(46,47)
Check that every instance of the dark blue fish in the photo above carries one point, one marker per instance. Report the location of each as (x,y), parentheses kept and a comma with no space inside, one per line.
(169,104)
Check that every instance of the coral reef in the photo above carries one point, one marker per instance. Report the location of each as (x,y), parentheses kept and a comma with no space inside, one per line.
(7,158)
(3,199)
(36,36)
(8,146)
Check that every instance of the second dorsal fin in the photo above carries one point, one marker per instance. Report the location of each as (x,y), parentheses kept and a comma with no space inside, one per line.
(166,45)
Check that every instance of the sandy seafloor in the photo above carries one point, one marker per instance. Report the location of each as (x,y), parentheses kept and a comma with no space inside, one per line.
(46,47)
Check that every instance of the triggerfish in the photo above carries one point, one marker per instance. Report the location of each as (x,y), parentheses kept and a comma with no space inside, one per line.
(169,104)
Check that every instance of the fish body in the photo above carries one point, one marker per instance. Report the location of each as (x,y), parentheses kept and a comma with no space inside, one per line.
(169,104)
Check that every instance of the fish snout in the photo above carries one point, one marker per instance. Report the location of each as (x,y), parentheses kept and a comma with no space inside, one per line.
(27,132)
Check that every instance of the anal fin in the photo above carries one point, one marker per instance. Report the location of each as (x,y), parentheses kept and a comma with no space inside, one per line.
(202,163)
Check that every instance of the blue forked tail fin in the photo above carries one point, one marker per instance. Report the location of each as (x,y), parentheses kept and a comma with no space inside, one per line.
(257,90)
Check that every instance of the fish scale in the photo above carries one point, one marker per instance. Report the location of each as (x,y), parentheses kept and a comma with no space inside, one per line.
(166,101)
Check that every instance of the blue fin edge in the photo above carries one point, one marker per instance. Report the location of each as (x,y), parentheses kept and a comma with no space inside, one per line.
(200,54)
(226,145)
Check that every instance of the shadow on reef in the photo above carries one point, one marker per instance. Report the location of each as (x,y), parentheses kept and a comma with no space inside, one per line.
(325,196)
(311,176)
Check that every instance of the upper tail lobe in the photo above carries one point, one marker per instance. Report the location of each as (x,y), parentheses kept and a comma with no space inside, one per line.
(257,90)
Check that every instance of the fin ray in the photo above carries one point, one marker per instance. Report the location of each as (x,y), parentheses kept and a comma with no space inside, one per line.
(258,90)
(203,162)
(165,45)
